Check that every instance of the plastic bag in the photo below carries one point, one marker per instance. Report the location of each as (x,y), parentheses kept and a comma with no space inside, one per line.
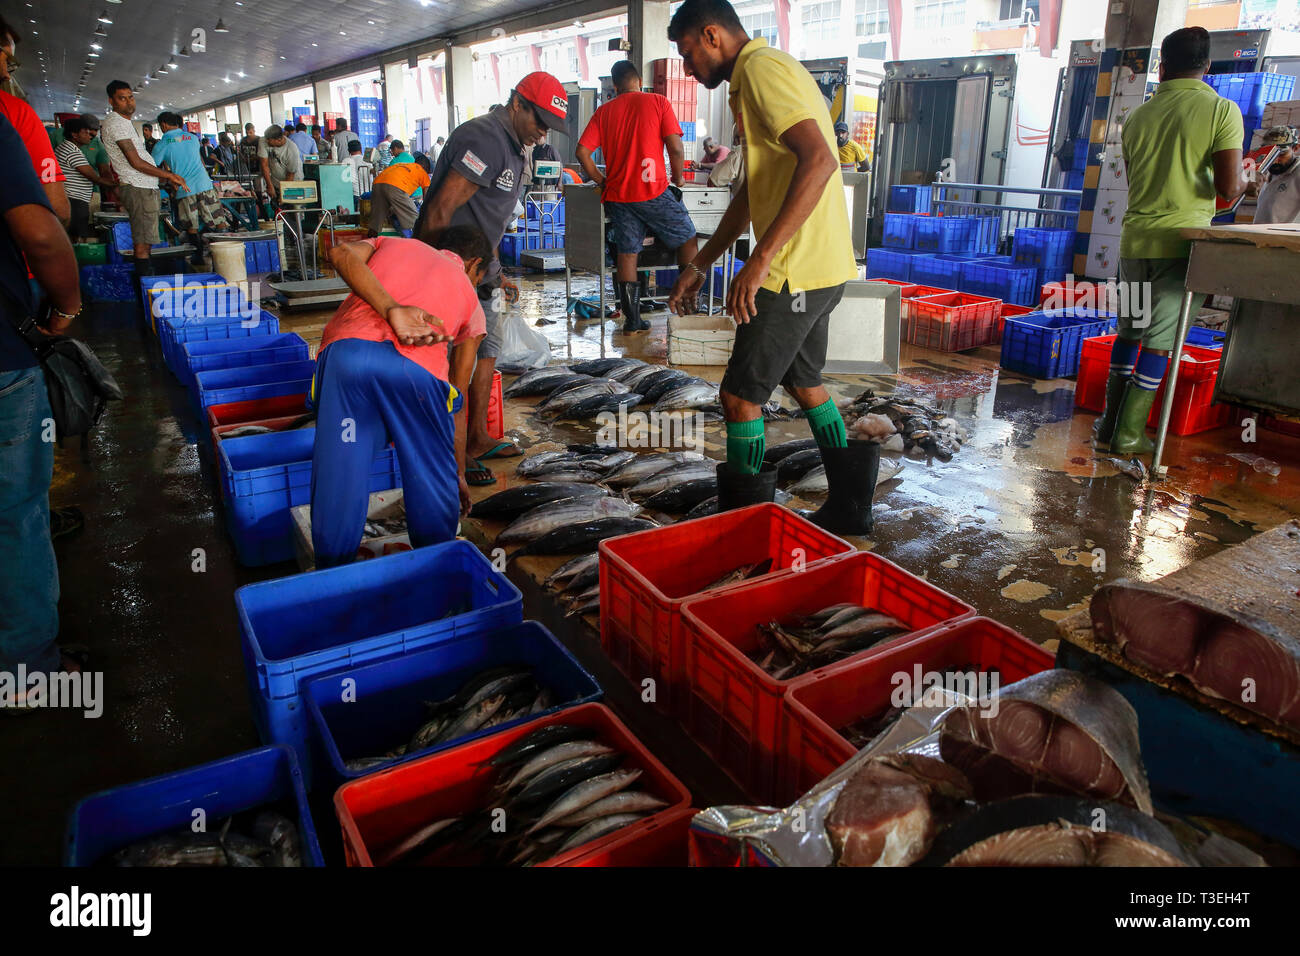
(522,347)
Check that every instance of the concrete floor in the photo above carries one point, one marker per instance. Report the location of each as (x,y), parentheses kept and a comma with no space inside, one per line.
(1008,526)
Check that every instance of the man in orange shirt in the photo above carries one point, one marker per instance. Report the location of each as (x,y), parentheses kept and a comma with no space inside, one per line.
(632,132)
(391,196)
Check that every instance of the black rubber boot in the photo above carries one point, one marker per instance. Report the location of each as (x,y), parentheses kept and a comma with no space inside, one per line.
(1104,427)
(196,258)
(851,476)
(738,491)
(144,267)
(629,301)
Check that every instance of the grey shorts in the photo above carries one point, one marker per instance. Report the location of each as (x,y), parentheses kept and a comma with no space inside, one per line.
(390,204)
(141,206)
(783,344)
(490,347)
(1152,298)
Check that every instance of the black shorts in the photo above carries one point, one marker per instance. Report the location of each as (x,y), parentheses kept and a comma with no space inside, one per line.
(783,344)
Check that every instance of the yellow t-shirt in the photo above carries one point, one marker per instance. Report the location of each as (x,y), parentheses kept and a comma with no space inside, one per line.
(770,93)
(852,153)
(408,177)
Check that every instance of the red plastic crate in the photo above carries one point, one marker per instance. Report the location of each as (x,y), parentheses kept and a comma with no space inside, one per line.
(917,292)
(1192,413)
(645,577)
(496,422)
(952,322)
(820,703)
(1010,310)
(1092,295)
(663,842)
(378,810)
(735,711)
(256,410)
(275,424)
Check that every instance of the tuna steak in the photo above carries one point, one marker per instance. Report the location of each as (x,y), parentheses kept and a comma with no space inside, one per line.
(1232,655)
(890,810)
(1056,831)
(1057,731)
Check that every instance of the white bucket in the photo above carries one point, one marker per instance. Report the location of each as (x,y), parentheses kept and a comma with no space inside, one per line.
(228,261)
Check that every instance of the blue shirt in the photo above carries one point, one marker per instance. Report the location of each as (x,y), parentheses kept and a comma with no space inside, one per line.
(18,187)
(306,145)
(180,151)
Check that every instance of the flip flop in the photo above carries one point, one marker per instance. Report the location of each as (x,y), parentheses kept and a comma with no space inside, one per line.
(479,475)
(499,451)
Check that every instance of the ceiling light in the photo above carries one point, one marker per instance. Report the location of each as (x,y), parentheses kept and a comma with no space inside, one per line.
(103,17)
(282,56)
(185,51)
(162,70)
(171,63)
(225,79)
(92,53)
(241,74)
(371,22)
(220,27)
(342,34)
(96,46)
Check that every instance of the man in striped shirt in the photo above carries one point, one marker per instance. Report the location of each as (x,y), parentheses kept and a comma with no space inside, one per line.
(80,178)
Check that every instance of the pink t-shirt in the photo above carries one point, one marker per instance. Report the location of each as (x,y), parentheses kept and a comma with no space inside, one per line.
(414,273)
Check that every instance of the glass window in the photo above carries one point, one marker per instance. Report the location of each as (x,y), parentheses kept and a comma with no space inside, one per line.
(933,14)
(871,18)
(761,25)
(821,23)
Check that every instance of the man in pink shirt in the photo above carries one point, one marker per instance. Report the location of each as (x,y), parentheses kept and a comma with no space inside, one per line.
(394,363)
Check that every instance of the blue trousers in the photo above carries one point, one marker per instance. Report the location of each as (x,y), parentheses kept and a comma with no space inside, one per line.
(366,396)
(29,578)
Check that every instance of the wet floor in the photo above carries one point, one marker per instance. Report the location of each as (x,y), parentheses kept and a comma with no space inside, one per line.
(1024,523)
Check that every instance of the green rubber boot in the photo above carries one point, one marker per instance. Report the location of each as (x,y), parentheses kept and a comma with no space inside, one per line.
(1104,427)
(1130,436)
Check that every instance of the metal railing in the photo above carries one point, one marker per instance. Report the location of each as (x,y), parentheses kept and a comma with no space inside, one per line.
(995,202)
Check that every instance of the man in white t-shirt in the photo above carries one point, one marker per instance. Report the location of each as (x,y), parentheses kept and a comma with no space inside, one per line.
(135,168)
(1279,200)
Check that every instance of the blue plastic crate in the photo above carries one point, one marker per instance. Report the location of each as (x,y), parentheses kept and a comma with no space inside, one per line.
(122,243)
(893,263)
(1205,338)
(552,208)
(270,777)
(296,628)
(948,234)
(1047,344)
(204,356)
(256,381)
(666,278)
(173,334)
(263,476)
(1018,285)
(109,283)
(1252,91)
(1044,247)
(988,234)
(900,230)
(199,303)
(909,199)
(942,272)
(388,697)
(688,132)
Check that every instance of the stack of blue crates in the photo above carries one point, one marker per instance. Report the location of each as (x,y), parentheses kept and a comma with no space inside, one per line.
(1048,344)
(298,628)
(1252,92)
(210,354)
(1051,251)
(942,272)
(366,119)
(900,230)
(1009,282)
(261,256)
(947,234)
(893,263)
(913,199)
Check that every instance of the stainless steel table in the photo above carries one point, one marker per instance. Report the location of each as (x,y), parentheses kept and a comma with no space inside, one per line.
(1260,367)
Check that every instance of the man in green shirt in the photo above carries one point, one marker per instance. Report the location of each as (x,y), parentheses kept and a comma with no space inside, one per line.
(1181,148)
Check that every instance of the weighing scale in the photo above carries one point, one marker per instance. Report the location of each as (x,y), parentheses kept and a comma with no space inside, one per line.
(297,199)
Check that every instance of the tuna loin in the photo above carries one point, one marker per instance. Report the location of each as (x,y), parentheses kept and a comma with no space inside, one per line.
(1057,731)
(1056,831)
(890,810)
(1226,623)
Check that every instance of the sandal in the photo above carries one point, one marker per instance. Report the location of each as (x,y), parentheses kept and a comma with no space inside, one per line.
(478,474)
(499,450)
(77,654)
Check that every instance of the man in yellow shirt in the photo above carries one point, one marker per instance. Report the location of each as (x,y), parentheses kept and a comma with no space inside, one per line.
(783,297)
(391,196)
(851,151)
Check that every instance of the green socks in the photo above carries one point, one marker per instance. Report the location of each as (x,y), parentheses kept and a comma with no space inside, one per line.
(828,426)
(745,446)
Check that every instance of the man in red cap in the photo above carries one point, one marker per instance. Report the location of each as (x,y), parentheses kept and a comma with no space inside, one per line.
(476,182)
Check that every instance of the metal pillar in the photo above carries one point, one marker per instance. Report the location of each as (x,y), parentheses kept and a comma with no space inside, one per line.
(647,31)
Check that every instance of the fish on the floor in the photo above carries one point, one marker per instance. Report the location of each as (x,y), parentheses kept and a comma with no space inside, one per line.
(710,505)
(797,464)
(565,573)
(672,476)
(814,481)
(512,502)
(643,466)
(1056,731)
(603,366)
(582,537)
(776,453)
(556,514)
(599,404)
(558,404)
(537,382)
(683,496)
(693,394)
(661,381)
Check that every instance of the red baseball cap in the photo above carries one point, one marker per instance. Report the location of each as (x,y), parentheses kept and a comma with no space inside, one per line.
(549,96)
